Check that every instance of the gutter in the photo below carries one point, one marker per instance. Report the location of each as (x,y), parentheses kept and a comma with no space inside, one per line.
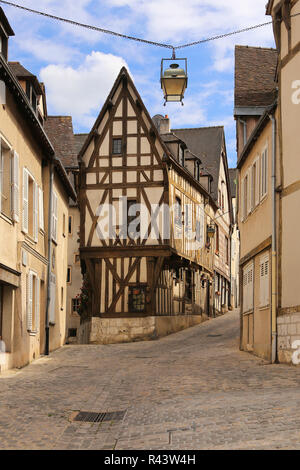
(47,323)
(274,246)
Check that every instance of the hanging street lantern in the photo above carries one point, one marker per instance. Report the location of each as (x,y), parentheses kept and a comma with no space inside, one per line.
(211,230)
(174,79)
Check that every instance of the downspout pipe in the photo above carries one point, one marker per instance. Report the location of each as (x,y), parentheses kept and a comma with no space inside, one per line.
(274,246)
(47,323)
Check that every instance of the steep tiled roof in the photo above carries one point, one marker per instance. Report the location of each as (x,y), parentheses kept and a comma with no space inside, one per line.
(21,73)
(207,143)
(79,141)
(60,132)
(255,72)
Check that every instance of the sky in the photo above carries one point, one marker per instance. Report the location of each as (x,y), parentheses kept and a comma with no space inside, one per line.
(79,66)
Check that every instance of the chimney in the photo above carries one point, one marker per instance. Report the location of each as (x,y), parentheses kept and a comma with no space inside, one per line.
(165,125)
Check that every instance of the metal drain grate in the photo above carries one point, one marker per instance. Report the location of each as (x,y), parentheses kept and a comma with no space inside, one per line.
(91,417)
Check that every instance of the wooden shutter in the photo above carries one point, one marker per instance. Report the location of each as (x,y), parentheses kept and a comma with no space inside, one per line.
(202,228)
(249,193)
(29,300)
(41,209)
(37,304)
(35,211)
(15,187)
(25,201)
(52,299)
(248,287)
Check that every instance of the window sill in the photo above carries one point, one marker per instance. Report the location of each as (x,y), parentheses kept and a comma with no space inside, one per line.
(6,219)
(33,333)
(266,307)
(245,314)
(29,239)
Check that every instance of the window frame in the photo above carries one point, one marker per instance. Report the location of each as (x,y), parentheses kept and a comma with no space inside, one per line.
(120,142)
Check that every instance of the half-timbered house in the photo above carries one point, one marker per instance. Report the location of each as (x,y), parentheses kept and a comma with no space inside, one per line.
(145,206)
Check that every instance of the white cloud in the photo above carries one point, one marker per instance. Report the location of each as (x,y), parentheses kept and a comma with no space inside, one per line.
(81,91)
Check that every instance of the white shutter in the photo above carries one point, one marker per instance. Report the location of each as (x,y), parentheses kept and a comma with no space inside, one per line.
(25,201)
(249,193)
(52,299)
(54,217)
(37,304)
(41,209)
(264,274)
(257,194)
(35,211)
(1,175)
(15,187)
(242,203)
(29,301)
(248,287)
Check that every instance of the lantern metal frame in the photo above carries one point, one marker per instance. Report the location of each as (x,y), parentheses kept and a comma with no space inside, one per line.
(174,58)
(211,230)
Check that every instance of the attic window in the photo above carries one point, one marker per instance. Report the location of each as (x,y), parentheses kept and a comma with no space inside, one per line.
(31,95)
(181,156)
(117,147)
(198,172)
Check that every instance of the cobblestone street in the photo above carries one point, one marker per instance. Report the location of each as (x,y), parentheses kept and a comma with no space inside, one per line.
(192,390)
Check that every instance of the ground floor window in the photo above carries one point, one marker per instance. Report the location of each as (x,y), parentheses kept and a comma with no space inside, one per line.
(75,305)
(137,299)
(189,285)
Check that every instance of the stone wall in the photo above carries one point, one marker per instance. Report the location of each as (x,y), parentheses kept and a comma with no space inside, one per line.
(126,330)
(288,333)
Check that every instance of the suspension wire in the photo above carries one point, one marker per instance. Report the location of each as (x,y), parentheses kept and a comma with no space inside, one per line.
(133,38)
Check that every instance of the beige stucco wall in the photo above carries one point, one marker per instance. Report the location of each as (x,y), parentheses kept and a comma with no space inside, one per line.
(257,227)
(23,346)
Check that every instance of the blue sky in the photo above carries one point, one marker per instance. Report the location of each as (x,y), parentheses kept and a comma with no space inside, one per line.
(79,66)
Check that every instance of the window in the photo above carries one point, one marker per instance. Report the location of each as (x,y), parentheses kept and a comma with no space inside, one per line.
(137,299)
(117,147)
(77,258)
(75,306)
(264,174)
(132,215)
(69,275)
(181,156)
(72,333)
(264,284)
(41,210)
(244,198)
(30,205)
(197,171)
(226,250)
(178,212)
(189,285)
(200,225)
(31,95)
(64,225)
(33,302)
(254,186)
(217,240)
(5,179)
(54,216)
(70,228)
(248,286)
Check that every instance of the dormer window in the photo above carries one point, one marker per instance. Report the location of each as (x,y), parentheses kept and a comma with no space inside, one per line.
(181,156)
(31,94)
(197,171)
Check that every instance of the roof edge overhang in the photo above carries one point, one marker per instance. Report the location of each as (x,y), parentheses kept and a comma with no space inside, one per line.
(249,111)
(29,115)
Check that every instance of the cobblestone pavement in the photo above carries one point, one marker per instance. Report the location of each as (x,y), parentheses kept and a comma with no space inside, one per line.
(192,390)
